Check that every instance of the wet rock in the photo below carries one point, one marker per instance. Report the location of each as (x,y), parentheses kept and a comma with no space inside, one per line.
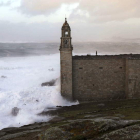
(83,122)
(57,119)
(2,134)
(101,105)
(92,116)
(15,111)
(12,136)
(50,83)
(51,69)
(55,133)
(120,116)
(79,138)
(3,76)
(50,108)
(128,133)
(58,106)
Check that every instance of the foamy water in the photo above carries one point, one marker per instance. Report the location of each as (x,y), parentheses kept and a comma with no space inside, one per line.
(20,86)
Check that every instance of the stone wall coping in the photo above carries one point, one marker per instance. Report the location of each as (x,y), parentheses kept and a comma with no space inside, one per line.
(121,56)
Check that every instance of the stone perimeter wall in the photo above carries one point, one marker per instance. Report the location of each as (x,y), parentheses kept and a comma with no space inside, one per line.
(105,78)
(133,78)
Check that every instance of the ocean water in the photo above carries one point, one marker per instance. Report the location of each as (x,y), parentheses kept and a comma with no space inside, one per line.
(39,49)
(25,66)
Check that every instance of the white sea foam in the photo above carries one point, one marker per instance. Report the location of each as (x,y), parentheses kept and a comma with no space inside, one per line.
(20,86)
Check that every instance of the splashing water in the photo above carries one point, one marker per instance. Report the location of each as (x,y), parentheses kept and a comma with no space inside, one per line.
(20,86)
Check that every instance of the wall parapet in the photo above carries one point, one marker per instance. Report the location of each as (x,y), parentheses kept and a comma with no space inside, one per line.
(96,57)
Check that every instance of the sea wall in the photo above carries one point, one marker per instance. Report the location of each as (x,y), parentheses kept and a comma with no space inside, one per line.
(133,78)
(105,77)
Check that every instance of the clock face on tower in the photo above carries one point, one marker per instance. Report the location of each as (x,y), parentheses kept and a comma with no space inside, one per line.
(66,42)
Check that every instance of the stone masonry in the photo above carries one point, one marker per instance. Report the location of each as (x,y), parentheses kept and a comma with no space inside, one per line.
(106,77)
(66,62)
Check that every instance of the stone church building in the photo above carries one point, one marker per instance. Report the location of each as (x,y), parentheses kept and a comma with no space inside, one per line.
(98,77)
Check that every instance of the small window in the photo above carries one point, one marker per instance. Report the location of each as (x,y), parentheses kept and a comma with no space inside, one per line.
(120,67)
(80,68)
(100,67)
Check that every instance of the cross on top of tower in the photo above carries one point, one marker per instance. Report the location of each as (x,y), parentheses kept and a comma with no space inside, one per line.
(65,23)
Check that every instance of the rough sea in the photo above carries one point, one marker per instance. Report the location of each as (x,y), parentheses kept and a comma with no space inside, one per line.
(25,66)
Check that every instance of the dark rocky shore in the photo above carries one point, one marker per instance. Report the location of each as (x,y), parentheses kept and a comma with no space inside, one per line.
(110,120)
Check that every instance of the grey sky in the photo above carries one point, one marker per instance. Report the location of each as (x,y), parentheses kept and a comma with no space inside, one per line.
(90,20)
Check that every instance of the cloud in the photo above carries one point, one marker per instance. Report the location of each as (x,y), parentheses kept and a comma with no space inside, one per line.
(41,20)
(35,32)
(43,6)
(81,31)
(5,3)
(97,11)
(111,10)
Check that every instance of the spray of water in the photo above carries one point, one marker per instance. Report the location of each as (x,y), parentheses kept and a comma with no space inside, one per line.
(21,91)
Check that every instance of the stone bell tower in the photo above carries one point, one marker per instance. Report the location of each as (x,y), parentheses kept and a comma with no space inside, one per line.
(66,61)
